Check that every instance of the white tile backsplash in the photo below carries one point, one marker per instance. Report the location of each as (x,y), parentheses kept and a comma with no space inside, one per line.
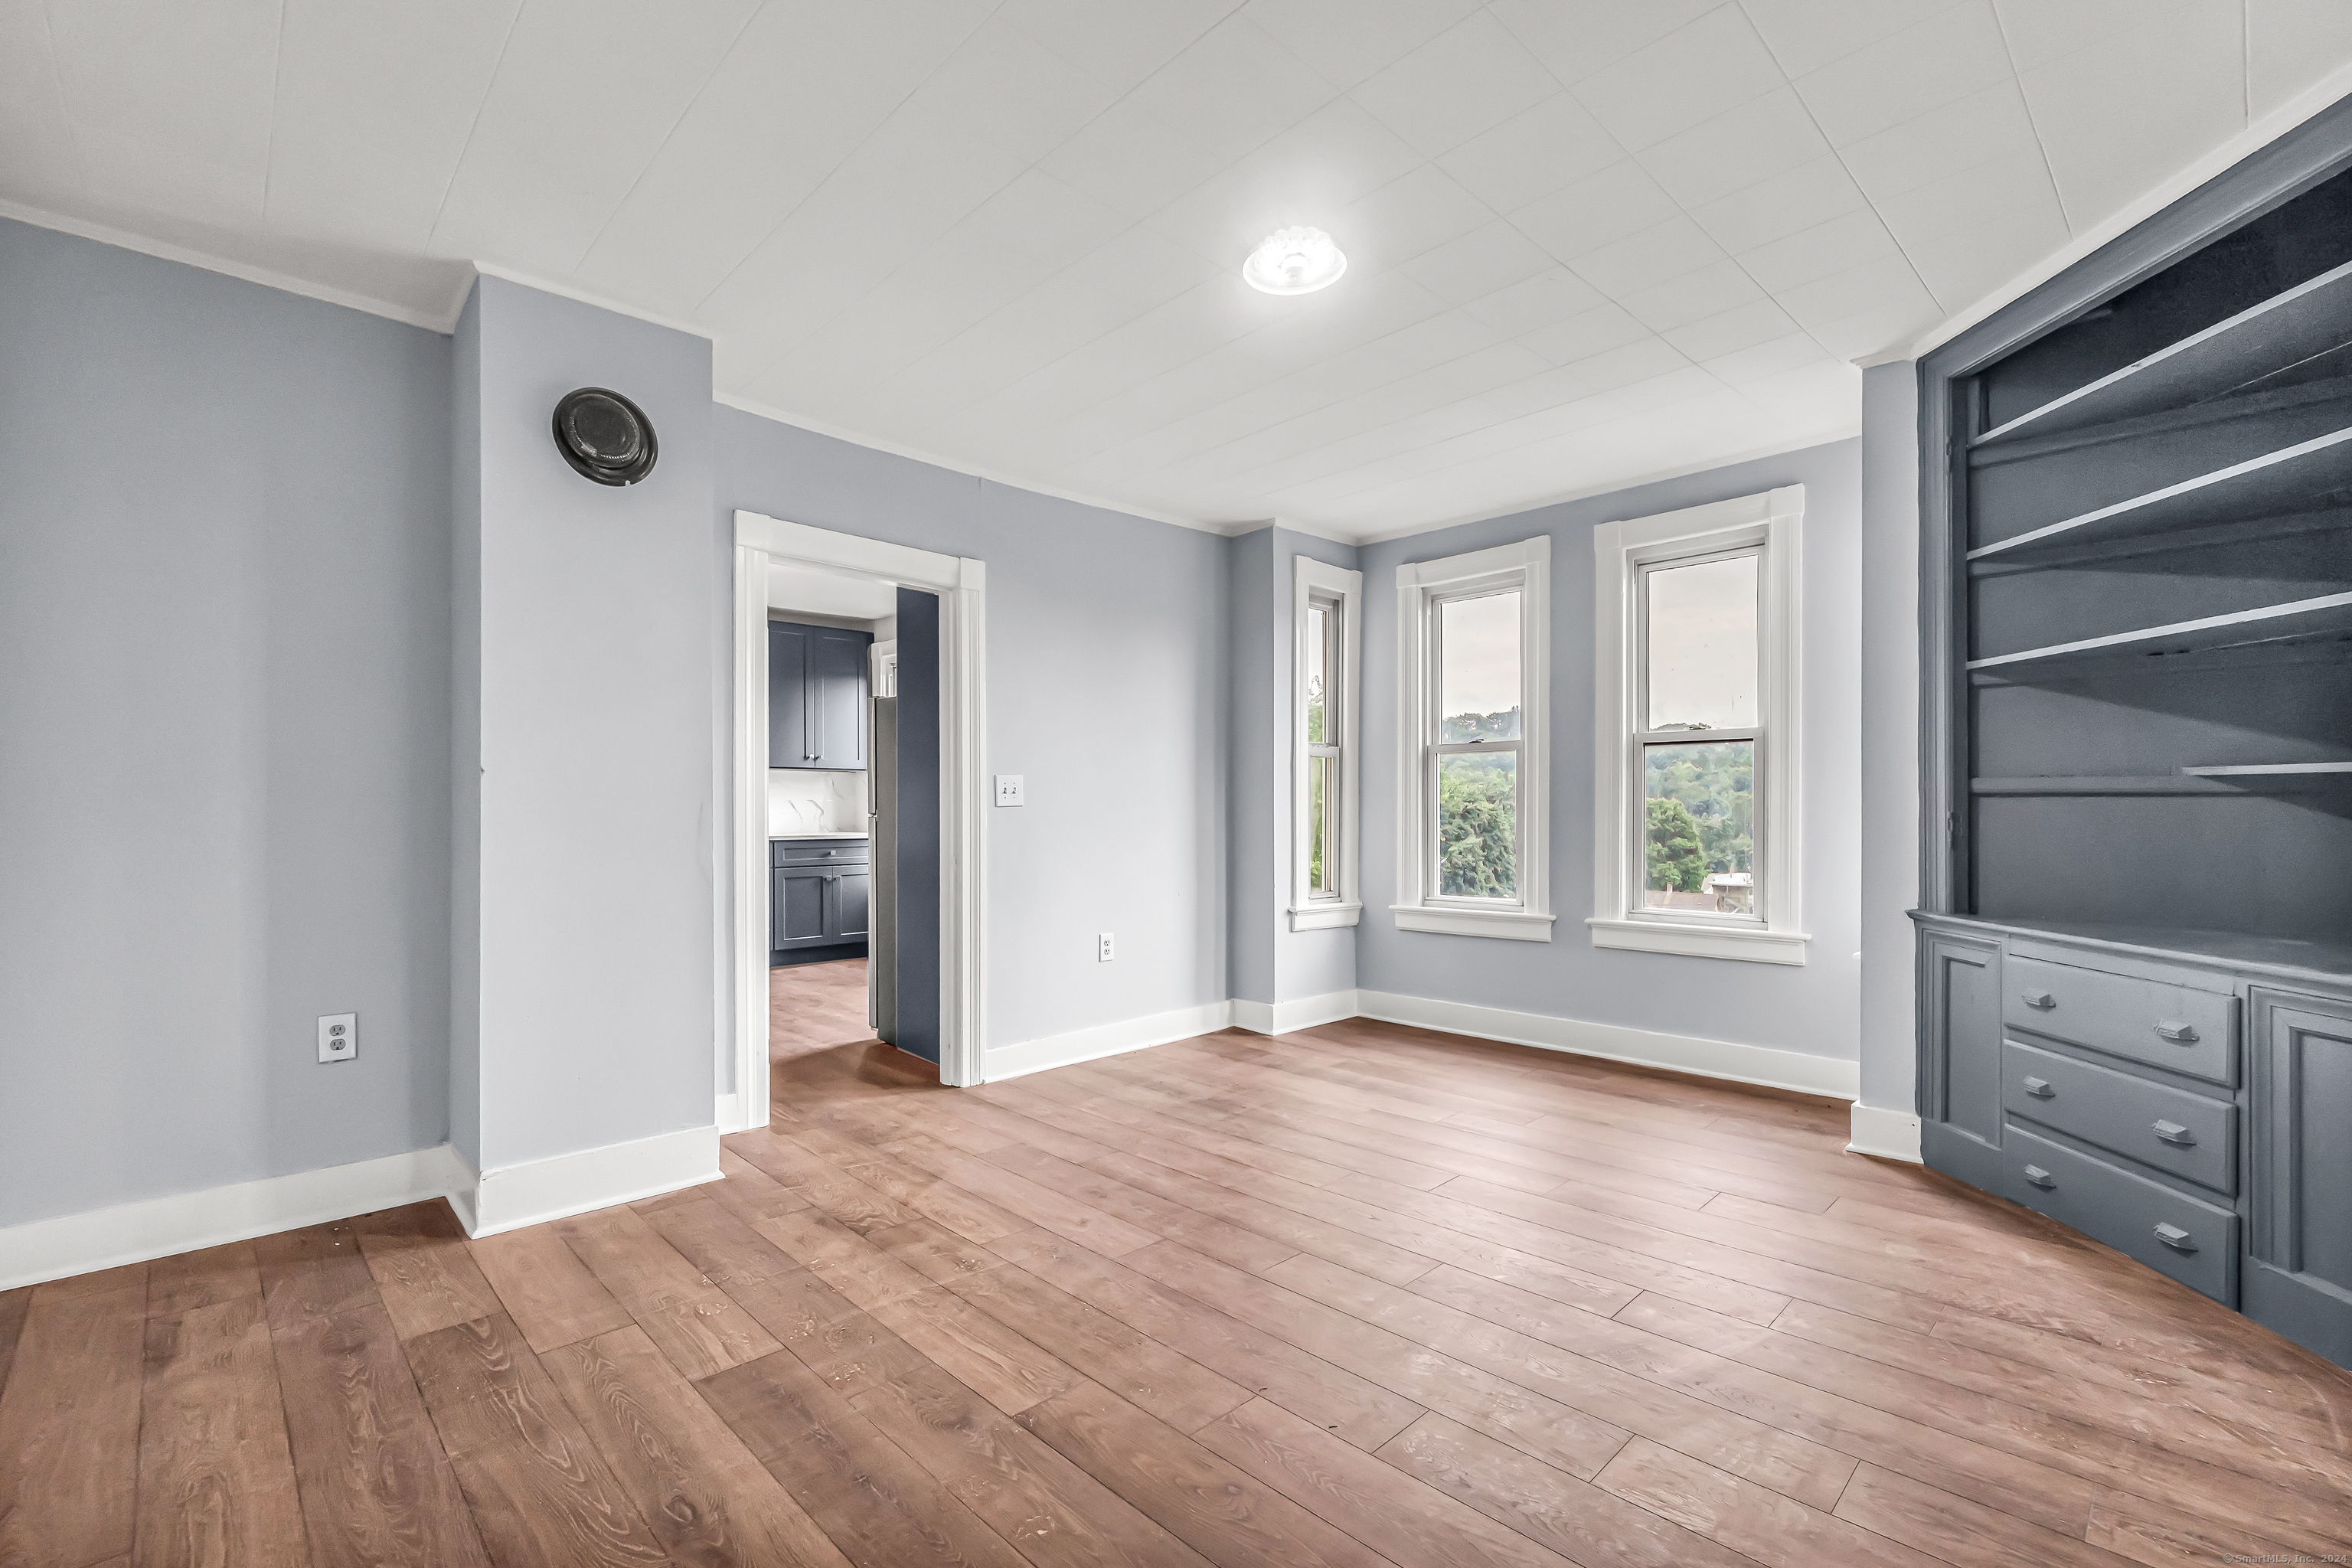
(815,800)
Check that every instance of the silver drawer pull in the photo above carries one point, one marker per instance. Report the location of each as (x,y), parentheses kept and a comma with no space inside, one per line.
(2039,1088)
(2175,1133)
(2042,999)
(2173,1237)
(2040,1177)
(2178,1033)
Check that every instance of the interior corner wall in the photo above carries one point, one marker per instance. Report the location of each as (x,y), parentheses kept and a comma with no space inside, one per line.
(1257,830)
(591,830)
(225,554)
(1890,732)
(1108,672)
(1812,1010)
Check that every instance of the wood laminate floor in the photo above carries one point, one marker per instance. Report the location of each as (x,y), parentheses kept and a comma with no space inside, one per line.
(1363,1295)
(816,1006)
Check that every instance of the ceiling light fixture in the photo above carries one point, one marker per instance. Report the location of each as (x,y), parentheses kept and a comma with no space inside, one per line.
(1295,261)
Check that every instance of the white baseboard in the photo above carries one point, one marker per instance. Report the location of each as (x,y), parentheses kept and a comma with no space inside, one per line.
(516,1195)
(1889,1134)
(1302,1013)
(161,1227)
(1105,1040)
(1761,1065)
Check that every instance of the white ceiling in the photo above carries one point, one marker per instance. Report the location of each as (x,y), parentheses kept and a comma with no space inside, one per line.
(1590,241)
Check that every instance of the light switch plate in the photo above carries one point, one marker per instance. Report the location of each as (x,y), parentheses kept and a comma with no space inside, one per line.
(339,1036)
(1008,789)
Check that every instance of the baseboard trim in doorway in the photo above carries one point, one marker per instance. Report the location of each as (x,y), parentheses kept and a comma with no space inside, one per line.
(161,1227)
(1105,1040)
(514,1196)
(1889,1134)
(1763,1066)
(1303,1012)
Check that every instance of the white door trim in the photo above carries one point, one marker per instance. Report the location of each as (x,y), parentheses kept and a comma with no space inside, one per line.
(961,585)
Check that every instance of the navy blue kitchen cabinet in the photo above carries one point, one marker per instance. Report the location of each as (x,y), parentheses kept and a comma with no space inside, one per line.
(817,687)
(819,890)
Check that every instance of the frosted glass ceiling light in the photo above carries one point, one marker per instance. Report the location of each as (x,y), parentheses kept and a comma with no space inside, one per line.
(1295,261)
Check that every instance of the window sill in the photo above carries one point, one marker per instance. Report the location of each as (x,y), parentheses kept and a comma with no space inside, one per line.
(1745,945)
(1324,917)
(1511,925)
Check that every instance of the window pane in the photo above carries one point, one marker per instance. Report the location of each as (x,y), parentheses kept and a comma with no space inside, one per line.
(1322,825)
(1478,815)
(1702,815)
(1478,667)
(1319,666)
(1703,645)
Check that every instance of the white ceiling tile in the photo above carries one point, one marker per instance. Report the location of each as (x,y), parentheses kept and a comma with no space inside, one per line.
(1635,362)
(1406,218)
(1478,263)
(1731,331)
(1002,86)
(1943,141)
(582,100)
(1973,231)
(1118,42)
(1311,173)
(1690,75)
(2041,31)
(1552,295)
(2118,115)
(1693,297)
(794,97)
(2292,45)
(1767,136)
(1498,366)
(1781,205)
(1348,40)
(1602,208)
(1806,34)
(38,163)
(1128,159)
(1951,55)
(1533,155)
(1461,84)
(1762,361)
(1578,38)
(1234,89)
(1877,306)
(1584,334)
(1657,254)
(1822,251)
(1823,397)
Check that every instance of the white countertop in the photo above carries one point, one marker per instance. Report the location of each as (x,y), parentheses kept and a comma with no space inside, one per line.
(773,838)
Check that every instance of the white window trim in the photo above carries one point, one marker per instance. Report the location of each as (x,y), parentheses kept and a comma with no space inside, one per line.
(1774,520)
(1526,566)
(1318,579)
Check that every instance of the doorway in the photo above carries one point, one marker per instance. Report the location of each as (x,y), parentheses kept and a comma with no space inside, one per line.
(877,910)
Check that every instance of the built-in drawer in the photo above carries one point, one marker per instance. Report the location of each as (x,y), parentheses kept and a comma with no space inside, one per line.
(2176,1026)
(2174,1130)
(2191,1240)
(819,851)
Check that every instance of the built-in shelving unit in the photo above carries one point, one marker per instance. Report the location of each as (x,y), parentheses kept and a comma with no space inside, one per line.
(2326,616)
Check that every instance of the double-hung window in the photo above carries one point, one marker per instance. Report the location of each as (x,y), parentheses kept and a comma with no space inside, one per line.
(1326,614)
(1473,635)
(1696,745)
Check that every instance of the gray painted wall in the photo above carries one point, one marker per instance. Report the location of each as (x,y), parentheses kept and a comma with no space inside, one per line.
(1811,1009)
(1890,732)
(224,560)
(1256,820)
(596,802)
(1108,641)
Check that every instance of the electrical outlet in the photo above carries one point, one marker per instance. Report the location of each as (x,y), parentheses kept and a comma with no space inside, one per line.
(339,1036)
(1103,948)
(1008,789)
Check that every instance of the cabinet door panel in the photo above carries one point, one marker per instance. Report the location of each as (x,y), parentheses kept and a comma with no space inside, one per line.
(788,667)
(2302,1166)
(836,688)
(799,913)
(850,902)
(1962,997)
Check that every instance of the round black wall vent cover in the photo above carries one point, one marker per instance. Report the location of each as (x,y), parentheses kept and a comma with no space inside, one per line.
(605,436)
